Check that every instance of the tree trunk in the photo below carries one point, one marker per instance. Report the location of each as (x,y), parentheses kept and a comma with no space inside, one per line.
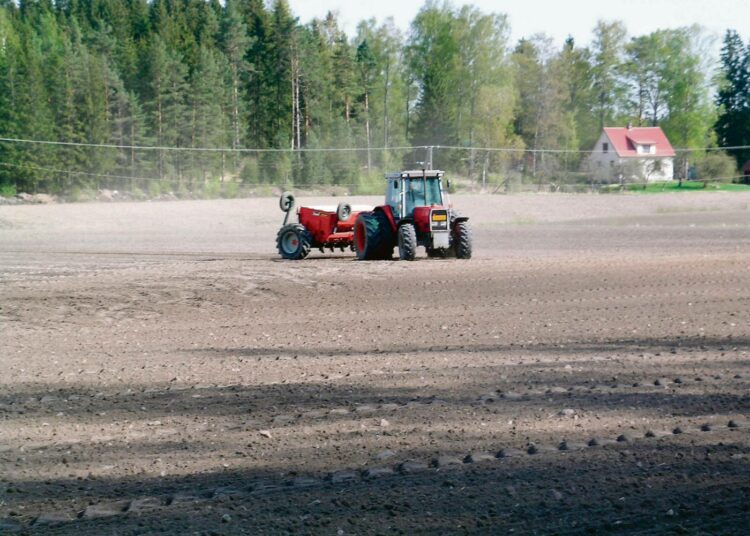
(385,114)
(367,129)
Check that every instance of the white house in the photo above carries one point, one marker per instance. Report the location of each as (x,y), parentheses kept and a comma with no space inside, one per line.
(633,153)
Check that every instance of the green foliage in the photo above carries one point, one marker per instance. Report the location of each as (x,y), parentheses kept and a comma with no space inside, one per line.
(369,184)
(212,189)
(201,74)
(688,186)
(231,190)
(716,166)
(7,190)
(733,98)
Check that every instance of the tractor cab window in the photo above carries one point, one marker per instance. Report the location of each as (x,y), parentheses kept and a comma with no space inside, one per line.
(393,196)
(422,192)
(432,192)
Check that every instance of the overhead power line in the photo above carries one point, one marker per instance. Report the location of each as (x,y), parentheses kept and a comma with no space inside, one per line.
(209,149)
(335,149)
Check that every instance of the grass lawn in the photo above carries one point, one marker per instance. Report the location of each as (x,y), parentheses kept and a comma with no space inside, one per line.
(688,186)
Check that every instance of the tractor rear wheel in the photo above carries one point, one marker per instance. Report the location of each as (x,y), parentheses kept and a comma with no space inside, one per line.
(293,241)
(462,239)
(407,242)
(373,238)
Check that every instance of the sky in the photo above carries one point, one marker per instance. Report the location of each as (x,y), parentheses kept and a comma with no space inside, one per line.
(556,18)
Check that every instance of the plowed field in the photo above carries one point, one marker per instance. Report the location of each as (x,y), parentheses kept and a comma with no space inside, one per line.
(588,371)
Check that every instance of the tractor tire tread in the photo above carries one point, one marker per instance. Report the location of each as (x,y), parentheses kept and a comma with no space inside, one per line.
(407,242)
(378,237)
(463,239)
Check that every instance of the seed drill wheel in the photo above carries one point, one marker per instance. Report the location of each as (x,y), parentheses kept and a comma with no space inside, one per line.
(286,201)
(373,238)
(293,241)
(343,211)
(407,242)
(462,239)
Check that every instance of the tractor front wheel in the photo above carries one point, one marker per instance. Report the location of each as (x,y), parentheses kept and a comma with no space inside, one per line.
(407,242)
(293,241)
(373,237)
(462,239)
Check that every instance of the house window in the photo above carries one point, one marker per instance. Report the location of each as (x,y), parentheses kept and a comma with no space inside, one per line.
(646,149)
(605,147)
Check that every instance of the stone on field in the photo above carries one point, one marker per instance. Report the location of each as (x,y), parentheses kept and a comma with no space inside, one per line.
(478,457)
(411,466)
(446,461)
(107,509)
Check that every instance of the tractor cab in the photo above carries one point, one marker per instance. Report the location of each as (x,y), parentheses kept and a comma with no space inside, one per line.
(407,190)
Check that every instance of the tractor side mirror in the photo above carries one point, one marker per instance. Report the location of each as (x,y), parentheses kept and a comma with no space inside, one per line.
(448,183)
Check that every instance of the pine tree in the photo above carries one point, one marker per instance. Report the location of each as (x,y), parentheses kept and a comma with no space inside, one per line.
(236,44)
(165,100)
(282,44)
(206,111)
(366,65)
(733,99)
(607,59)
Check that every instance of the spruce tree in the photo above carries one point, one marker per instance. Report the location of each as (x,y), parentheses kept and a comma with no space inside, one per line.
(733,99)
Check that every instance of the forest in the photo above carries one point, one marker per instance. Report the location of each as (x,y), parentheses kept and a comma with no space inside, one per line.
(201,97)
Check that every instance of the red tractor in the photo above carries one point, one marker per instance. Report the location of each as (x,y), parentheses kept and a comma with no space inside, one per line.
(317,227)
(415,214)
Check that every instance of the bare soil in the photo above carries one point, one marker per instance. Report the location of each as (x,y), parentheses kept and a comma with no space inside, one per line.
(162,370)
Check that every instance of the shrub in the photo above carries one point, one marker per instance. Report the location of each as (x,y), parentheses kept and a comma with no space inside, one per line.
(231,189)
(154,189)
(212,189)
(716,166)
(8,190)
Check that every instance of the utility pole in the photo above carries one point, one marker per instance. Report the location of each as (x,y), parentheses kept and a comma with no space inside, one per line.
(429,157)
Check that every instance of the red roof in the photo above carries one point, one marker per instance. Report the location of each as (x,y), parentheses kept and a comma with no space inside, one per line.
(626,140)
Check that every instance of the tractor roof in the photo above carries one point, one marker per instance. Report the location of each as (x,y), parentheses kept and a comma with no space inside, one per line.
(416,174)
